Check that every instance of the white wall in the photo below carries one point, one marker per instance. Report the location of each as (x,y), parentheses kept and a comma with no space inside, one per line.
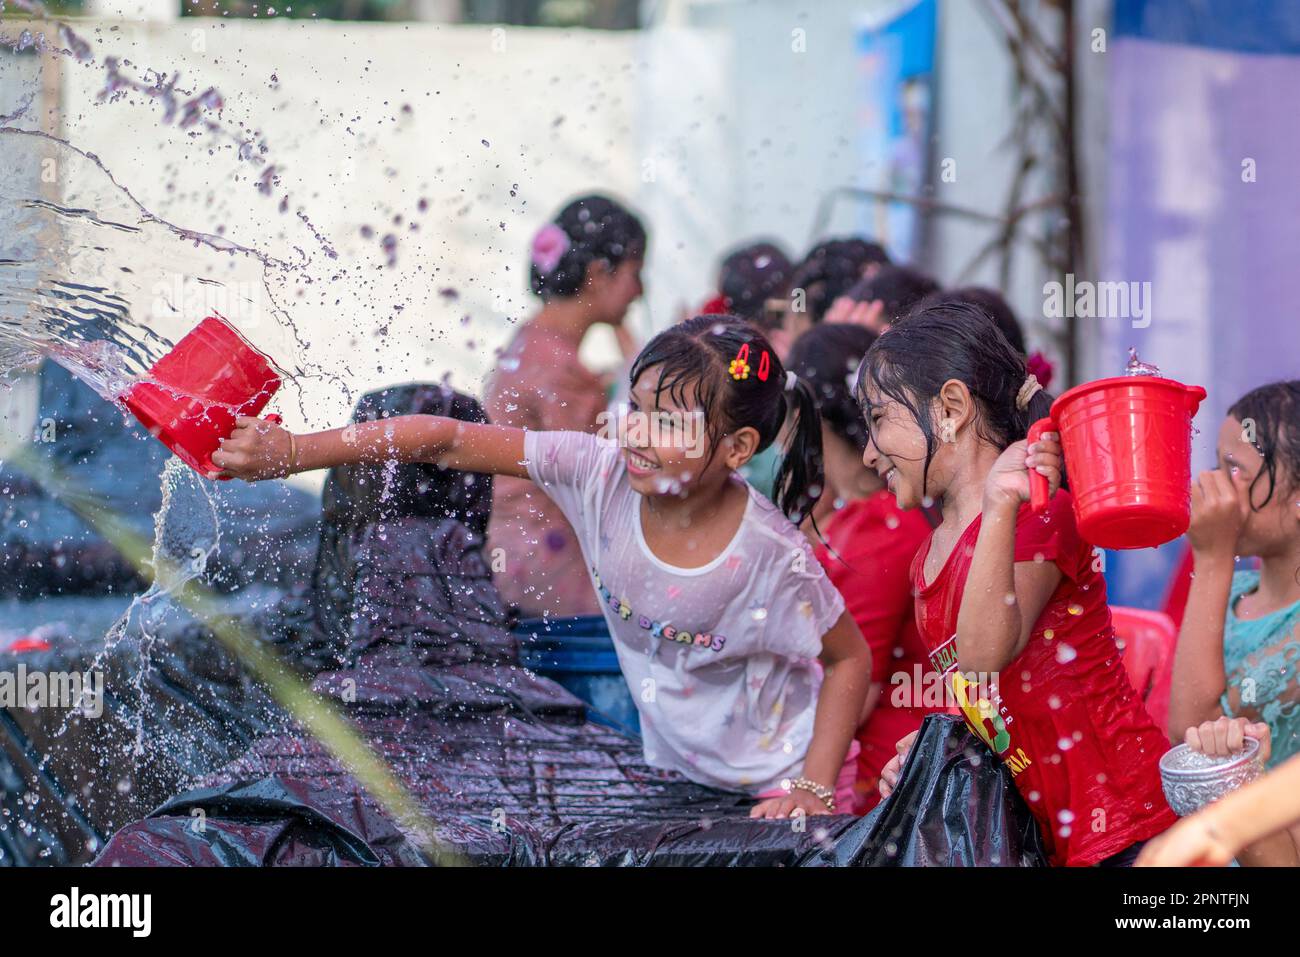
(557,110)
(709,123)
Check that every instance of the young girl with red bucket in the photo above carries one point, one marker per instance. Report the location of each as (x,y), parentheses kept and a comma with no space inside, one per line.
(747,671)
(1008,600)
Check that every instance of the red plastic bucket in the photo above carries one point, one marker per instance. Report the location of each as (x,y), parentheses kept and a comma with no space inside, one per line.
(1128,452)
(195,391)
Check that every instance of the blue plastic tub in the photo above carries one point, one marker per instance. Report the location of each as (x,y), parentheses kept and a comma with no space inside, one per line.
(578,654)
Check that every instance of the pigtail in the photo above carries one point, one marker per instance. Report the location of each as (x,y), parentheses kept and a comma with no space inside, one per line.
(801,476)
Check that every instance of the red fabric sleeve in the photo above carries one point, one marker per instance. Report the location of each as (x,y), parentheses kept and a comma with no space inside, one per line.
(1052,536)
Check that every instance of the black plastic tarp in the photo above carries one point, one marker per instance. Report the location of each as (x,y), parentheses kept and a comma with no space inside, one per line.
(955,805)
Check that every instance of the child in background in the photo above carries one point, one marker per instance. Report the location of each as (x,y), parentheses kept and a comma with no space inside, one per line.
(585,266)
(1239,648)
(882,298)
(748,278)
(723,621)
(1258,825)
(1010,604)
(825,274)
(868,550)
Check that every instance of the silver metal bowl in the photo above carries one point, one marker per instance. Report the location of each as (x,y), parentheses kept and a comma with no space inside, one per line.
(1192,780)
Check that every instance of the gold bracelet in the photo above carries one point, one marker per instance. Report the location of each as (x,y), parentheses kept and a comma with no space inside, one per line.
(821,792)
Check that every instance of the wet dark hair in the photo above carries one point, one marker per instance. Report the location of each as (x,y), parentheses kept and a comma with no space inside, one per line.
(830,268)
(900,288)
(598,228)
(751,275)
(952,340)
(1275,410)
(827,358)
(993,305)
(695,358)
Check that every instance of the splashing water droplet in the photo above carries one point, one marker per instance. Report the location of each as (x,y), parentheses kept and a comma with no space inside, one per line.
(1136,366)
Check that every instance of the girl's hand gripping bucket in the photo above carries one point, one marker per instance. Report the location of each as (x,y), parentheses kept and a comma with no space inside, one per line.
(1127,443)
(192,395)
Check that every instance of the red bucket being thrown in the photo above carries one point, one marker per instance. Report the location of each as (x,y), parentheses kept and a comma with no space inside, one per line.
(191,397)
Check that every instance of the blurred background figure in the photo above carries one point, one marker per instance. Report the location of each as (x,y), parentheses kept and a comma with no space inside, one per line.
(585,266)
(749,278)
(829,270)
(884,297)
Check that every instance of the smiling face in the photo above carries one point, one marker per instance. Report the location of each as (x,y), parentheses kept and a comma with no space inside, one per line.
(666,446)
(1274,526)
(896,451)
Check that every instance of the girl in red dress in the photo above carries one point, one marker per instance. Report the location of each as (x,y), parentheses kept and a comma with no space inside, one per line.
(867,551)
(1011,605)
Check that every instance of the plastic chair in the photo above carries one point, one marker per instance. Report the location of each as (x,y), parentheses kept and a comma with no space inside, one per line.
(1148,639)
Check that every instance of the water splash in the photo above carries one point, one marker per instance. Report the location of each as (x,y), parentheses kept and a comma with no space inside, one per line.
(95,281)
(187,532)
(1136,366)
(188,109)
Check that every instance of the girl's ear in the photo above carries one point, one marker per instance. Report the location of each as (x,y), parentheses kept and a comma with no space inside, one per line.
(741,446)
(955,405)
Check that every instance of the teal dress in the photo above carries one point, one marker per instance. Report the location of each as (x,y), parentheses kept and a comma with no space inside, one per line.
(1261,657)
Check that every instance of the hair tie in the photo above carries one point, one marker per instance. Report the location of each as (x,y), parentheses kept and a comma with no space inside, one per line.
(549,246)
(790,380)
(1028,390)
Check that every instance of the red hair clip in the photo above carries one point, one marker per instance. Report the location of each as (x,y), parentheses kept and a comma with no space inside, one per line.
(764,365)
(739,367)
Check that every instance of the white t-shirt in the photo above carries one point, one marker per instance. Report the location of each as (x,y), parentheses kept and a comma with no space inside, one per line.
(721,659)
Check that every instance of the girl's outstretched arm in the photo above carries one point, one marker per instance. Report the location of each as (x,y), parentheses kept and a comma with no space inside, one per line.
(1199,679)
(1003,598)
(259,449)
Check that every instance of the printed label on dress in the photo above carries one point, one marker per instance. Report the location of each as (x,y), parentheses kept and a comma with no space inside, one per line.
(657,629)
(982,706)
